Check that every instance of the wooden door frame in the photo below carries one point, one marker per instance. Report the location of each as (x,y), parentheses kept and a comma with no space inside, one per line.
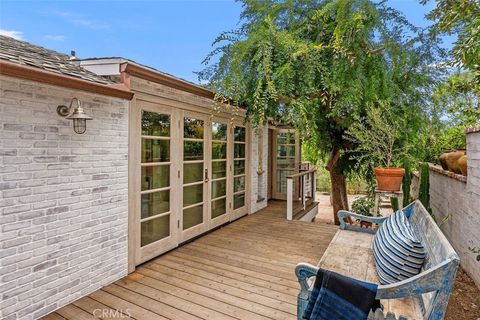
(185,235)
(275,131)
(178,109)
(136,253)
(217,221)
(240,212)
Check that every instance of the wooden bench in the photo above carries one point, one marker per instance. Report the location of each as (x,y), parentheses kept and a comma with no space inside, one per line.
(424,296)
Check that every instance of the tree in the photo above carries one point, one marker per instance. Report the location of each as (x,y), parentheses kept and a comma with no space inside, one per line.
(318,64)
(461,18)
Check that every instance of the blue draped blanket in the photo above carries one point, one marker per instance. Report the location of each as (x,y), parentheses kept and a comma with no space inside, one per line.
(337,297)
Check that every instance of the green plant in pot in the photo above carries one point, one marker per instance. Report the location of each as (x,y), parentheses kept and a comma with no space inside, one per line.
(363,206)
(376,139)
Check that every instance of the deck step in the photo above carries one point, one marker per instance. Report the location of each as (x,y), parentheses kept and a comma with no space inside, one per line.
(308,214)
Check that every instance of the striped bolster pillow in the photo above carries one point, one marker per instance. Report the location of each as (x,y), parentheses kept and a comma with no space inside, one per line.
(398,253)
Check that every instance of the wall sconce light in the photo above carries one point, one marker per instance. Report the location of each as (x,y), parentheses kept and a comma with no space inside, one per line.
(78,116)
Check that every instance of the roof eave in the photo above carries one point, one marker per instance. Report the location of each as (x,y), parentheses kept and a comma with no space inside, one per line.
(61,80)
(151,75)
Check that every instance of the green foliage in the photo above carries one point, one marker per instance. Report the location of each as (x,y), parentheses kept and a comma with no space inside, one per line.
(319,65)
(424,188)
(461,18)
(407,181)
(394,203)
(449,138)
(363,206)
(376,139)
(323,181)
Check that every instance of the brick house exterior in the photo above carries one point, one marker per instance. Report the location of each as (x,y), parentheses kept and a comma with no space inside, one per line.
(66,199)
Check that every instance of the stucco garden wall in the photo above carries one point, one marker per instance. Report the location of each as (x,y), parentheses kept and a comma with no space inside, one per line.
(459,198)
(63,204)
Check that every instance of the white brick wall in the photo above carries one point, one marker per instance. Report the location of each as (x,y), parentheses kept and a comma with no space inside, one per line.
(461,201)
(256,205)
(63,204)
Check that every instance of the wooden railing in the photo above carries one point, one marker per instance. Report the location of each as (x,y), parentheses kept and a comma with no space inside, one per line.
(300,190)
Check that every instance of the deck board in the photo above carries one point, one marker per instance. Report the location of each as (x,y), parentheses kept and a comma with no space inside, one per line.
(244,270)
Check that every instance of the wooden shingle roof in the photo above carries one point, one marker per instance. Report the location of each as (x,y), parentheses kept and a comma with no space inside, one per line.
(24,53)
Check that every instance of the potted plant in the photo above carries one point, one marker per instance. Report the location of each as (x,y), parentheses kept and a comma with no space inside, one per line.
(363,206)
(377,145)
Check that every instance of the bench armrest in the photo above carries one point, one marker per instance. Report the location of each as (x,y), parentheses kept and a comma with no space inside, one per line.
(343,214)
(437,278)
(304,271)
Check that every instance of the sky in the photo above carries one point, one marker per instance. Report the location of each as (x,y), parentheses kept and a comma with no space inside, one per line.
(168,35)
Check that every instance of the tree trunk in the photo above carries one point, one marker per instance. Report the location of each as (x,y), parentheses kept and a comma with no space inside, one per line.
(339,185)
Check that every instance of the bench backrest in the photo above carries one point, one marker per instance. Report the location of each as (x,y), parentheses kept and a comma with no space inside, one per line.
(436,244)
(437,247)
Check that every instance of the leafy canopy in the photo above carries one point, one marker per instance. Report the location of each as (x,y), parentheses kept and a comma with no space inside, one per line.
(318,64)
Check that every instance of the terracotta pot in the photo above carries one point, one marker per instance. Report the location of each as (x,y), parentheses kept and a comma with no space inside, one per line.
(389,179)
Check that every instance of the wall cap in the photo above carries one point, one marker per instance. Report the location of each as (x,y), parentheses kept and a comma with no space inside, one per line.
(439,169)
(472,129)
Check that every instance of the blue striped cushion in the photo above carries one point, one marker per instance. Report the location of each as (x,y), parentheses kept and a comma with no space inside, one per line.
(398,253)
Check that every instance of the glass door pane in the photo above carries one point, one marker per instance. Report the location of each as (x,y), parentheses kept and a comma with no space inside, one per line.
(193,172)
(155,208)
(218,185)
(239,150)
(286,162)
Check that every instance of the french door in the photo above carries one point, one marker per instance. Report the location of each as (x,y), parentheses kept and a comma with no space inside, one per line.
(155,226)
(240,164)
(195,175)
(286,160)
(188,175)
(219,194)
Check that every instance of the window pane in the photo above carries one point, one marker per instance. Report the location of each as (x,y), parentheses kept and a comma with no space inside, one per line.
(219,188)
(219,131)
(238,184)
(155,229)
(192,150)
(192,194)
(192,172)
(219,207)
(219,150)
(155,150)
(239,150)
(219,169)
(238,200)
(155,177)
(290,151)
(281,151)
(192,216)
(281,138)
(155,203)
(291,138)
(239,134)
(192,128)
(238,167)
(286,138)
(155,124)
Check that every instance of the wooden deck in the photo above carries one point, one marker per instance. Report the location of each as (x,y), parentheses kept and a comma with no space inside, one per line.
(244,270)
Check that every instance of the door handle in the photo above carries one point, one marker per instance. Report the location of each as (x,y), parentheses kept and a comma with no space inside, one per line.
(206,176)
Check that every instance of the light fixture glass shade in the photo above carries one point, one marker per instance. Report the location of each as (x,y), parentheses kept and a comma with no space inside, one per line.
(80,125)
(79,118)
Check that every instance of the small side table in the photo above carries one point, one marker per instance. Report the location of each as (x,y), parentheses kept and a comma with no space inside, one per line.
(389,194)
